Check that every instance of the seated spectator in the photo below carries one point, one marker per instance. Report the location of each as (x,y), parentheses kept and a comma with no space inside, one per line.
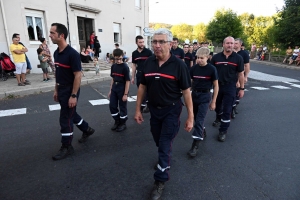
(111,59)
(298,59)
(85,58)
(289,53)
(107,58)
(259,52)
(89,51)
(125,57)
(295,55)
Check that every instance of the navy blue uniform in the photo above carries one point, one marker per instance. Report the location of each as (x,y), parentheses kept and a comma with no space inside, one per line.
(245,55)
(119,74)
(67,62)
(203,78)
(164,85)
(188,58)
(194,57)
(178,52)
(139,59)
(228,69)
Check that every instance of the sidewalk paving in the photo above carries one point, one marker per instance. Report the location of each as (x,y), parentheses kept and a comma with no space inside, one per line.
(10,88)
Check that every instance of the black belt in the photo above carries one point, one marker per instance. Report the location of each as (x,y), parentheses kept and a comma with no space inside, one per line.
(202,91)
(64,85)
(116,82)
(224,83)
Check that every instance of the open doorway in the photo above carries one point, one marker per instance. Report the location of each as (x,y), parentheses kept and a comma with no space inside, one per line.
(85,28)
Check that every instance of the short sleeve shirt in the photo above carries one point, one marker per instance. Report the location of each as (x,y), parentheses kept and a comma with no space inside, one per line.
(244,55)
(164,83)
(92,39)
(43,64)
(187,59)
(178,52)
(228,68)
(139,58)
(66,63)
(18,58)
(203,76)
(120,72)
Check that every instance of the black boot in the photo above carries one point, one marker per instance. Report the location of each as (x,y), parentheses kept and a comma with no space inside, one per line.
(63,152)
(233,113)
(235,110)
(222,136)
(217,122)
(115,126)
(86,134)
(146,109)
(121,127)
(193,151)
(157,190)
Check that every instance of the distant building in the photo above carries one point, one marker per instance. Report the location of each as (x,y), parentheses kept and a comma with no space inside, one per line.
(114,21)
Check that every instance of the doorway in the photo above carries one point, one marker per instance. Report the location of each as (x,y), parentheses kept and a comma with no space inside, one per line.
(85,28)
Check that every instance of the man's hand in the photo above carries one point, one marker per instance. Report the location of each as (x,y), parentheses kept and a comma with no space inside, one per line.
(138,117)
(108,95)
(189,124)
(55,96)
(212,106)
(241,93)
(72,102)
(132,81)
(124,98)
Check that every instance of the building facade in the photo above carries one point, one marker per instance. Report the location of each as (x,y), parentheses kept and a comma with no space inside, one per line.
(114,21)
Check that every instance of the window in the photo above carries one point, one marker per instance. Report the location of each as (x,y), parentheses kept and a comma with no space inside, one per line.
(138,4)
(117,33)
(138,30)
(35,24)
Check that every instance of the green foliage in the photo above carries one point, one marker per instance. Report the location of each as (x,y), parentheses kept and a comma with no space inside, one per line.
(225,23)
(182,32)
(156,26)
(199,31)
(287,24)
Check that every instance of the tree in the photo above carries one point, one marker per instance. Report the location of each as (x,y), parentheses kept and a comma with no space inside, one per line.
(199,31)
(225,23)
(182,32)
(287,25)
(156,26)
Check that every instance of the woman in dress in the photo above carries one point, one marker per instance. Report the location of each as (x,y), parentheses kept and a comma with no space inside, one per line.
(47,53)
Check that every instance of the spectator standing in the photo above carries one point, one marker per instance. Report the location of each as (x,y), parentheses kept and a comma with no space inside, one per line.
(18,52)
(47,53)
(43,63)
(253,51)
(67,90)
(165,78)
(28,68)
(92,39)
(97,47)
(289,53)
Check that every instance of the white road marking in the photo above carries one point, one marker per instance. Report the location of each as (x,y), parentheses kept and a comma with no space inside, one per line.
(99,102)
(134,97)
(260,88)
(295,85)
(54,107)
(280,87)
(11,112)
(131,99)
(288,83)
(268,77)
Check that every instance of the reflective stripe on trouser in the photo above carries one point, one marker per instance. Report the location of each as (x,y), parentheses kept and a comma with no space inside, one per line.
(116,104)
(68,116)
(200,107)
(237,98)
(164,124)
(225,100)
(138,81)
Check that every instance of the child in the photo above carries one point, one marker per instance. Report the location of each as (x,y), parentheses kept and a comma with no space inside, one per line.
(203,76)
(96,64)
(43,63)
(118,93)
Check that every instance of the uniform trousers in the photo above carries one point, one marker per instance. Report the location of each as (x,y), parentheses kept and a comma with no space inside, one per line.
(165,123)
(118,107)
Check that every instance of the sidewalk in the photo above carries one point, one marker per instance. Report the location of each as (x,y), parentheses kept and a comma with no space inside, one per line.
(10,89)
(276,64)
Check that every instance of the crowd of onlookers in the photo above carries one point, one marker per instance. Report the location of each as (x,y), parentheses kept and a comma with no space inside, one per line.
(292,55)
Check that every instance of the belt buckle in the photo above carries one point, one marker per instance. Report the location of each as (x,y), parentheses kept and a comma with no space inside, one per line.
(116,83)
(158,107)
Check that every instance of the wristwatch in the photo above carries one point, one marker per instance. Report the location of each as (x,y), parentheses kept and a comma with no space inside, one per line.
(242,88)
(73,95)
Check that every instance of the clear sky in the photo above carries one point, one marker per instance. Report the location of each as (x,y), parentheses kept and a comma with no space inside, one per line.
(195,11)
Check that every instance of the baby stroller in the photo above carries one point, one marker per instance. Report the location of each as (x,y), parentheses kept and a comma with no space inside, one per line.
(7,67)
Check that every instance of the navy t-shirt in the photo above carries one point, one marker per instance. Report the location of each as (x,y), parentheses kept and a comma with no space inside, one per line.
(140,57)
(178,52)
(164,83)
(203,76)
(120,73)
(244,55)
(187,59)
(66,63)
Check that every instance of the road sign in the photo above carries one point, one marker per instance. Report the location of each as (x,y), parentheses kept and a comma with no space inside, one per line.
(148,34)
(148,30)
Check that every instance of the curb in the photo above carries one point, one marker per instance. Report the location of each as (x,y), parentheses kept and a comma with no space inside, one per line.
(275,64)
(37,90)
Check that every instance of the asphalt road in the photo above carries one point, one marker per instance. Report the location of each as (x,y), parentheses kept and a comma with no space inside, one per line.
(259,159)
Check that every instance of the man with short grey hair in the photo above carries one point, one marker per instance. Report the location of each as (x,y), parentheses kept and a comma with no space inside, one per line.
(164,76)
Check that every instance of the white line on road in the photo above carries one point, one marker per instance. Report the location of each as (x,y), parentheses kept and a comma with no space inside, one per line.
(260,88)
(268,77)
(99,102)
(54,107)
(295,85)
(280,87)
(131,99)
(11,112)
